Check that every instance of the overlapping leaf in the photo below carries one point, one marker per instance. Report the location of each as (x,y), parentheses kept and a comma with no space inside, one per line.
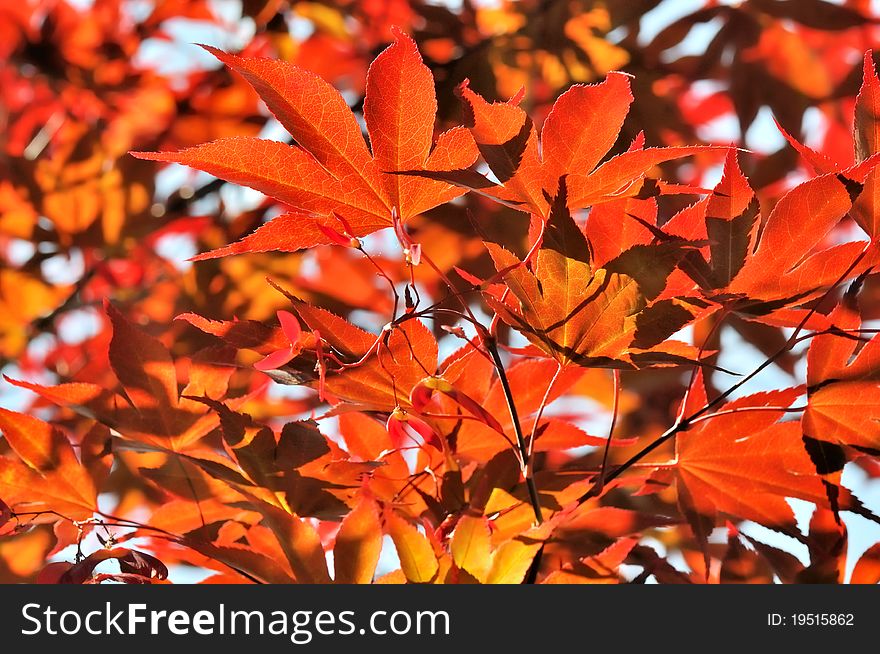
(789,261)
(866,137)
(150,407)
(44,474)
(594,318)
(329,171)
(843,384)
(581,128)
(375,371)
(745,462)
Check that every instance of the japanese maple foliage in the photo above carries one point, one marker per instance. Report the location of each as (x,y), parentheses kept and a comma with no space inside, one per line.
(484,315)
(328,172)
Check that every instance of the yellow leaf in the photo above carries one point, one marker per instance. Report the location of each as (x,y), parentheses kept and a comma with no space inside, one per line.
(417,559)
(358,545)
(512,560)
(471,548)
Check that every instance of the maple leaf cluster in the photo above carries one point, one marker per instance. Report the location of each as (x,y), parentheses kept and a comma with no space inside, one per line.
(497,297)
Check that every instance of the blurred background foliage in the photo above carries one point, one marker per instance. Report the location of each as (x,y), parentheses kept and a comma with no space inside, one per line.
(83,82)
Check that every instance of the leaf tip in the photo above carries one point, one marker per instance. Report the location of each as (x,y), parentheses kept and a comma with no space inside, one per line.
(401,36)
(217,52)
(212,254)
(147,156)
(868,68)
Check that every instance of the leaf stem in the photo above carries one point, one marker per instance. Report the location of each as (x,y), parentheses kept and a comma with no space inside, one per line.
(614,410)
(541,407)
(525,468)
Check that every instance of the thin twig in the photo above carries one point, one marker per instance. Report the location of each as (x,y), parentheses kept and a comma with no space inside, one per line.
(683,424)
(614,409)
(541,408)
(517,427)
